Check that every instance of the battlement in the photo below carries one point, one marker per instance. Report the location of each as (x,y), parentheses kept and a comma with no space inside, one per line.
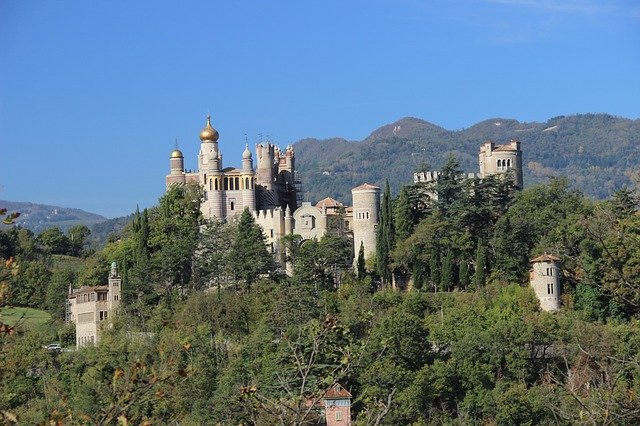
(433,176)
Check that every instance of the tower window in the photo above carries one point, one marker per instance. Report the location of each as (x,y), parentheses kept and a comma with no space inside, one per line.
(237,183)
(215,184)
(226,184)
(232,205)
(246,183)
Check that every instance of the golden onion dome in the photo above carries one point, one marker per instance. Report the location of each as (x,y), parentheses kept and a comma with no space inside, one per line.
(176,153)
(209,134)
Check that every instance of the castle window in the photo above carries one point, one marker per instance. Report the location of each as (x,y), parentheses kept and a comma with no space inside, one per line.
(272,233)
(246,183)
(226,184)
(549,289)
(210,184)
(237,183)
(215,184)
(509,163)
(232,205)
(205,179)
(338,416)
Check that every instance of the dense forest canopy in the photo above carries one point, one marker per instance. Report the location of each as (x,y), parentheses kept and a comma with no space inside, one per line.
(212,331)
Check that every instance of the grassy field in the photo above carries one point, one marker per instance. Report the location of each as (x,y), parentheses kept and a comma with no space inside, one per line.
(33,318)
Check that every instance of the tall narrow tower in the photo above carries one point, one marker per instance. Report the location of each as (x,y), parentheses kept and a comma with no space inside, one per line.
(366,210)
(210,171)
(544,277)
(115,289)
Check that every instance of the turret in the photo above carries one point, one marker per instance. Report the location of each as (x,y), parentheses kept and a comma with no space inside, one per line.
(264,174)
(544,277)
(501,159)
(366,209)
(115,290)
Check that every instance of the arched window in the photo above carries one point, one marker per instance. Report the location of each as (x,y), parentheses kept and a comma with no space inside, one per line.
(226,184)
(246,183)
(210,184)
(237,183)
(509,163)
(215,184)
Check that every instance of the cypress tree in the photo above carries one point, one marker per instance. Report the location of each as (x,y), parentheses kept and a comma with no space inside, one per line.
(479,275)
(464,274)
(361,266)
(434,269)
(386,234)
(446,279)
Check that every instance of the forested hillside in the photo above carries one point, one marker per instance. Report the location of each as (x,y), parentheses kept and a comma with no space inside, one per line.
(211,331)
(598,152)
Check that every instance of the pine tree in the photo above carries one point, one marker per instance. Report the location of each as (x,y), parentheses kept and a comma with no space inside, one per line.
(404,219)
(479,275)
(249,253)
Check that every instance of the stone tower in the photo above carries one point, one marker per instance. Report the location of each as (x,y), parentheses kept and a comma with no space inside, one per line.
(115,288)
(366,208)
(501,159)
(544,277)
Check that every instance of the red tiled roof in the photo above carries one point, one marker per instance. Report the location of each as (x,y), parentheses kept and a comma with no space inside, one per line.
(336,391)
(328,202)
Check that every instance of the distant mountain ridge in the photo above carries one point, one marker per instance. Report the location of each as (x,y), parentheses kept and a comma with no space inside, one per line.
(598,152)
(38,217)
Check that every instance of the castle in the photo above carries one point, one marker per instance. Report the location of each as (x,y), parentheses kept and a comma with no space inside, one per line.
(89,307)
(492,160)
(270,193)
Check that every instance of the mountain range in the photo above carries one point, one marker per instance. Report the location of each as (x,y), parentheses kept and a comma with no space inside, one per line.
(599,153)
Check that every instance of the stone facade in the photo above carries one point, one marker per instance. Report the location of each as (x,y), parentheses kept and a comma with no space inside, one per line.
(90,307)
(544,277)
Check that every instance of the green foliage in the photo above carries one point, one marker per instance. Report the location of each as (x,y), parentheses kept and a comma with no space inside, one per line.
(249,251)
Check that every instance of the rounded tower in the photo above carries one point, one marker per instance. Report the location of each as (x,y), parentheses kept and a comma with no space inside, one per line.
(501,159)
(366,210)
(209,171)
(544,277)
(247,184)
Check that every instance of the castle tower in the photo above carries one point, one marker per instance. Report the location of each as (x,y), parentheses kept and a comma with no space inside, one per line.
(544,277)
(366,209)
(115,288)
(266,158)
(500,159)
(176,169)
(248,181)
(210,171)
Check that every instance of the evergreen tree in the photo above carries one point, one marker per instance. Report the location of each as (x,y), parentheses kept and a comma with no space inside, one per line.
(463,274)
(361,265)
(249,253)
(446,279)
(479,275)
(385,237)
(404,216)
(434,269)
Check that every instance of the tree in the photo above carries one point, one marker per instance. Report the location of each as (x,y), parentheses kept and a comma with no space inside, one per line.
(446,280)
(77,236)
(463,273)
(481,264)
(361,265)
(385,238)
(212,262)
(54,241)
(249,254)
(434,269)
(173,237)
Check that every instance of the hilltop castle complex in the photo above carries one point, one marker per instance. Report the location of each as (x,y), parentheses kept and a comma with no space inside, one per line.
(271,194)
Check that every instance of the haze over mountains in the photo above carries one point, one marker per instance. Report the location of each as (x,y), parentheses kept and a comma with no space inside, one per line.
(598,152)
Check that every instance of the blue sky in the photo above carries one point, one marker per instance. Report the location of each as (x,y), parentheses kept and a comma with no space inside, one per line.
(94,93)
